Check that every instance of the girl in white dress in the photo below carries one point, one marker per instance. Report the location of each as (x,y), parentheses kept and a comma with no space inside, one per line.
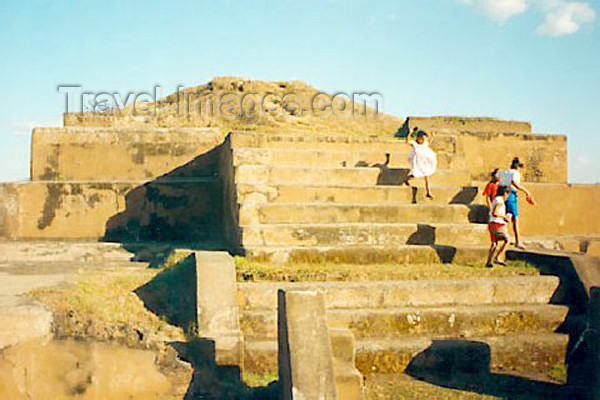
(423,161)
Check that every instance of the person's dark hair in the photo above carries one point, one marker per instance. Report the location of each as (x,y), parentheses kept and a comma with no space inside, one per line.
(502,191)
(494,173)
(421,134)
(516,163)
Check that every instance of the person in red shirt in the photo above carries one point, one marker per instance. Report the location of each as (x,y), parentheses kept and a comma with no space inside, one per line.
(491,188)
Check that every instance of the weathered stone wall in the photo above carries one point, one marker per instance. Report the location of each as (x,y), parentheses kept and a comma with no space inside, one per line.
(121,211)
(544,156)
(487,125)
(569,209)
(9,208)
(116,154)
(231,210)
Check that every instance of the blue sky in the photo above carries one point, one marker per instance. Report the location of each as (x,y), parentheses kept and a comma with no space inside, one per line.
(535,60)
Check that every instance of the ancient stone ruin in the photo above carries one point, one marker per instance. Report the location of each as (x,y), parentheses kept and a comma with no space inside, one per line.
(319,190)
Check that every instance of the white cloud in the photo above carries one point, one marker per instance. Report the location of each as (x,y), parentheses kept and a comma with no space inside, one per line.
(566,18)
(500,10)
(561,17)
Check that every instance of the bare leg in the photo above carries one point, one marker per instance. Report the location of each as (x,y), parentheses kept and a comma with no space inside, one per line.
(408,178)
(500,250)
(515,224)
(427,188)
(491,253)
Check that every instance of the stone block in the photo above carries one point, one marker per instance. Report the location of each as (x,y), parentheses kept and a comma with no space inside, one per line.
(349,381)
(217,305)
(570,245)
(22,320)
(255,174)
(342,344)
(594,248)
(305,352)
(251,156)
(199,294)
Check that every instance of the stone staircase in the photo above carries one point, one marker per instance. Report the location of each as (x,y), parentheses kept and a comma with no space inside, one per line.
(308,197)
(394,321)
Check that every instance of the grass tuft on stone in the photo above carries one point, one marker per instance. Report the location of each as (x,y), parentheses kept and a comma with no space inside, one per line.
(104,307)
(248,270)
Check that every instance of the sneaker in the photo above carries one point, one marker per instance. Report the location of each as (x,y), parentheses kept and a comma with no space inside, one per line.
(500,263)
(489,266)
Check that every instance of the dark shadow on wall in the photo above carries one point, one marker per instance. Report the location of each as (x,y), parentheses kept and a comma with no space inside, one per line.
(577,274)
(184,206)
(389,176)
(466,195)
(425,235)
(478,213)
(171,295)
(465,365)
(211,381)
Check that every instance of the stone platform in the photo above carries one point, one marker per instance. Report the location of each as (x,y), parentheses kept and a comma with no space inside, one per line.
(308,195)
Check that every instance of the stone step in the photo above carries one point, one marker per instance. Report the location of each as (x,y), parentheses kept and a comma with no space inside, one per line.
(355,254)
(305,213)
(463,321)
(348,176)
(349,380)
(384,234)
(520,353)
(408,293)
(293,157)
(286,193)
(22,320)
(320,142)
(525,353)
